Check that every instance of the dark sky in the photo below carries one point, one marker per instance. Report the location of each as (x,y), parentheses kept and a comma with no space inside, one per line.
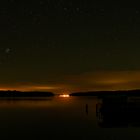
(49,44)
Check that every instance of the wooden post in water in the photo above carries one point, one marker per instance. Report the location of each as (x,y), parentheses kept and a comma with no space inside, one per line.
(87,109)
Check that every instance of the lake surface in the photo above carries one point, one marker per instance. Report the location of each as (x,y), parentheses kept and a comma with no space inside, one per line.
(66,118)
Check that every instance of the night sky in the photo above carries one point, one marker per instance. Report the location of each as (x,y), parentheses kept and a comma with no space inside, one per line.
(69,45)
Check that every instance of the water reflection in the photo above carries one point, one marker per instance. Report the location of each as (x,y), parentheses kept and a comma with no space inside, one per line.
(70,118)
(26,103)
(117,111)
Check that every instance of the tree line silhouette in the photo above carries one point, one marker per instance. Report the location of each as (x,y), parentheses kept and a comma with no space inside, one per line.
(25,94)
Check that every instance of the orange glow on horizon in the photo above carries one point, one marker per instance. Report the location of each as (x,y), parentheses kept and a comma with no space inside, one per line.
(64,95)
(90,81)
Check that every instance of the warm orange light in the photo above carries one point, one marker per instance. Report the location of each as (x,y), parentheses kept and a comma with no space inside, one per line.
(65,95)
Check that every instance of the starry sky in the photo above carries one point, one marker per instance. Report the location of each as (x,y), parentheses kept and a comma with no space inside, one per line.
(69,45)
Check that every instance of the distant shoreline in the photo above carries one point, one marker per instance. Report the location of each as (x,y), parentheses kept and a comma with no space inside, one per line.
(108,93)
(26,95)
(41,95)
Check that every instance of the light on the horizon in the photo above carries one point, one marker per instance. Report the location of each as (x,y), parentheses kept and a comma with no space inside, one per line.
(65,95)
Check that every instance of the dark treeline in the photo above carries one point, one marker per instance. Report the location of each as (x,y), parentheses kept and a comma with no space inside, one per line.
(25,94)
(108,93)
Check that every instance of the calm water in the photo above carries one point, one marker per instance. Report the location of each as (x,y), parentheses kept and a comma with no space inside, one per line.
(63,118)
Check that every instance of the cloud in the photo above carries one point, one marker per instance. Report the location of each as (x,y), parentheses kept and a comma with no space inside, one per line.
(110,80)
(90,81)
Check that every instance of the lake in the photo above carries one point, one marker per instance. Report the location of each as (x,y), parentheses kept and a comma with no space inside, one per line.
(68,118)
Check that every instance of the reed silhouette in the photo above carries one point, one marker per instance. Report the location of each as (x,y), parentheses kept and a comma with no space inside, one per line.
(118,111)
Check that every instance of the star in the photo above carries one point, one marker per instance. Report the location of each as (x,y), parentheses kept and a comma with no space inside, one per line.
(78,9)
(31,12)
(7,50)
(65,8)
(137,12)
